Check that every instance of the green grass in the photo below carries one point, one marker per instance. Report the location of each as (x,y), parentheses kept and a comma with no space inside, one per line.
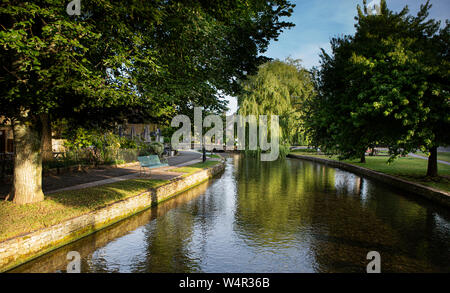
(409,168)
(443,156)
(214,156)
(17,220)
(20,219)
(195,167)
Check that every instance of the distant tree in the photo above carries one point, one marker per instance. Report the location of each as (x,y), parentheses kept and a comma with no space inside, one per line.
(387,84)
(279,88)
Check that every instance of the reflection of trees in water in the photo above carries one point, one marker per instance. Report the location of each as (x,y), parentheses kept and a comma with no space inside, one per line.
(342,216)
(362,216)
(332,217)
(90,248)
(166,239)
(169,236)
(275,197)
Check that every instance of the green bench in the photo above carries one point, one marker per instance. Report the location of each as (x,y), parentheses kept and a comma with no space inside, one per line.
(150,162)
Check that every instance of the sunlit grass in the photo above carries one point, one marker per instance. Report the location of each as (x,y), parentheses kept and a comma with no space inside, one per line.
(442,156)
(20,219)
(195,167)
(17,220)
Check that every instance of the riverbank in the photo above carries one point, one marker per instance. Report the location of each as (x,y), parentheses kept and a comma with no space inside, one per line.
(52,183)
(409,168)
(434,194)
(285,216)
(31,230)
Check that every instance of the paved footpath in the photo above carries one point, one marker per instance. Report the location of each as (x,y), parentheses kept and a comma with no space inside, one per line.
(95,177)
(183,159)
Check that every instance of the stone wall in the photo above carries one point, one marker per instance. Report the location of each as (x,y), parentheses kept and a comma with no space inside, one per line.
(56,260)
(21,249)
(437,196)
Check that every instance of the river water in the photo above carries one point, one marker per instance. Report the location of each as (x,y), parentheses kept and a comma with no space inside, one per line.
(283,216)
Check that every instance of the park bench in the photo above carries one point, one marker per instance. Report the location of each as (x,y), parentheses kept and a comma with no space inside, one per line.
(150,162)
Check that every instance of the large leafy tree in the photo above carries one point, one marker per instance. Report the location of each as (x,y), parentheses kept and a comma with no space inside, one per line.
(49,58)
(204,49)
(120,59)
(208,47)
(387,84)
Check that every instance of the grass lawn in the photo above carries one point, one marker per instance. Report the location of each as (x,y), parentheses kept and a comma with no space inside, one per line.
(444,157)
(409,168)
(441,156)
(195,167)
(16,220)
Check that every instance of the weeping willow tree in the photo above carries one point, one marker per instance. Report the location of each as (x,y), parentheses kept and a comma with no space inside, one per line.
(279,88)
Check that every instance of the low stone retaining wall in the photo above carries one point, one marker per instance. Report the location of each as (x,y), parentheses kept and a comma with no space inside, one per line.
(438,196)
(21,249)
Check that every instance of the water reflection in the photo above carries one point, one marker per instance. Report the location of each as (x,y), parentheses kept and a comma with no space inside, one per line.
(284,216)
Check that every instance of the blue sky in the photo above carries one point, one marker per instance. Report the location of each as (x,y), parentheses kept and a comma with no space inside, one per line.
(317,21)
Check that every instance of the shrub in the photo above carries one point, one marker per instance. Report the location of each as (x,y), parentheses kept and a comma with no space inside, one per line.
(154,148)
(94,147)
(157,147)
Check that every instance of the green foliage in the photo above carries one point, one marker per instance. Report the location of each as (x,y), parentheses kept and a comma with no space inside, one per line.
(122,59)
(126,143)
(96,147)
(386,85)
(78,139)
(208,47)
(52,61)
(157,147)
(154,148)
(279,88)
(130,59)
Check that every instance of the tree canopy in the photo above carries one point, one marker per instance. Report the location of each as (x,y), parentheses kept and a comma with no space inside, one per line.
(385,85)
(118,59)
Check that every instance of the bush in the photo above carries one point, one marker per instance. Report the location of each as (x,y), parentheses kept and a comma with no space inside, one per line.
(126,143)
(128,155)
(158,148)
(94,147)
(154,148)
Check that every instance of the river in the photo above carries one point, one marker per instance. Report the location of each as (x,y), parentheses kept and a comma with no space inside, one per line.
(284,216)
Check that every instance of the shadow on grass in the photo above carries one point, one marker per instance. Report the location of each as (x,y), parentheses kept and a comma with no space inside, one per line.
(96,197)
(20,219)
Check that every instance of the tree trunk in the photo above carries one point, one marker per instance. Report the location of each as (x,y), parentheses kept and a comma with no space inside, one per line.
(27,187)
(432,163)
(47,151)
(363,158)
